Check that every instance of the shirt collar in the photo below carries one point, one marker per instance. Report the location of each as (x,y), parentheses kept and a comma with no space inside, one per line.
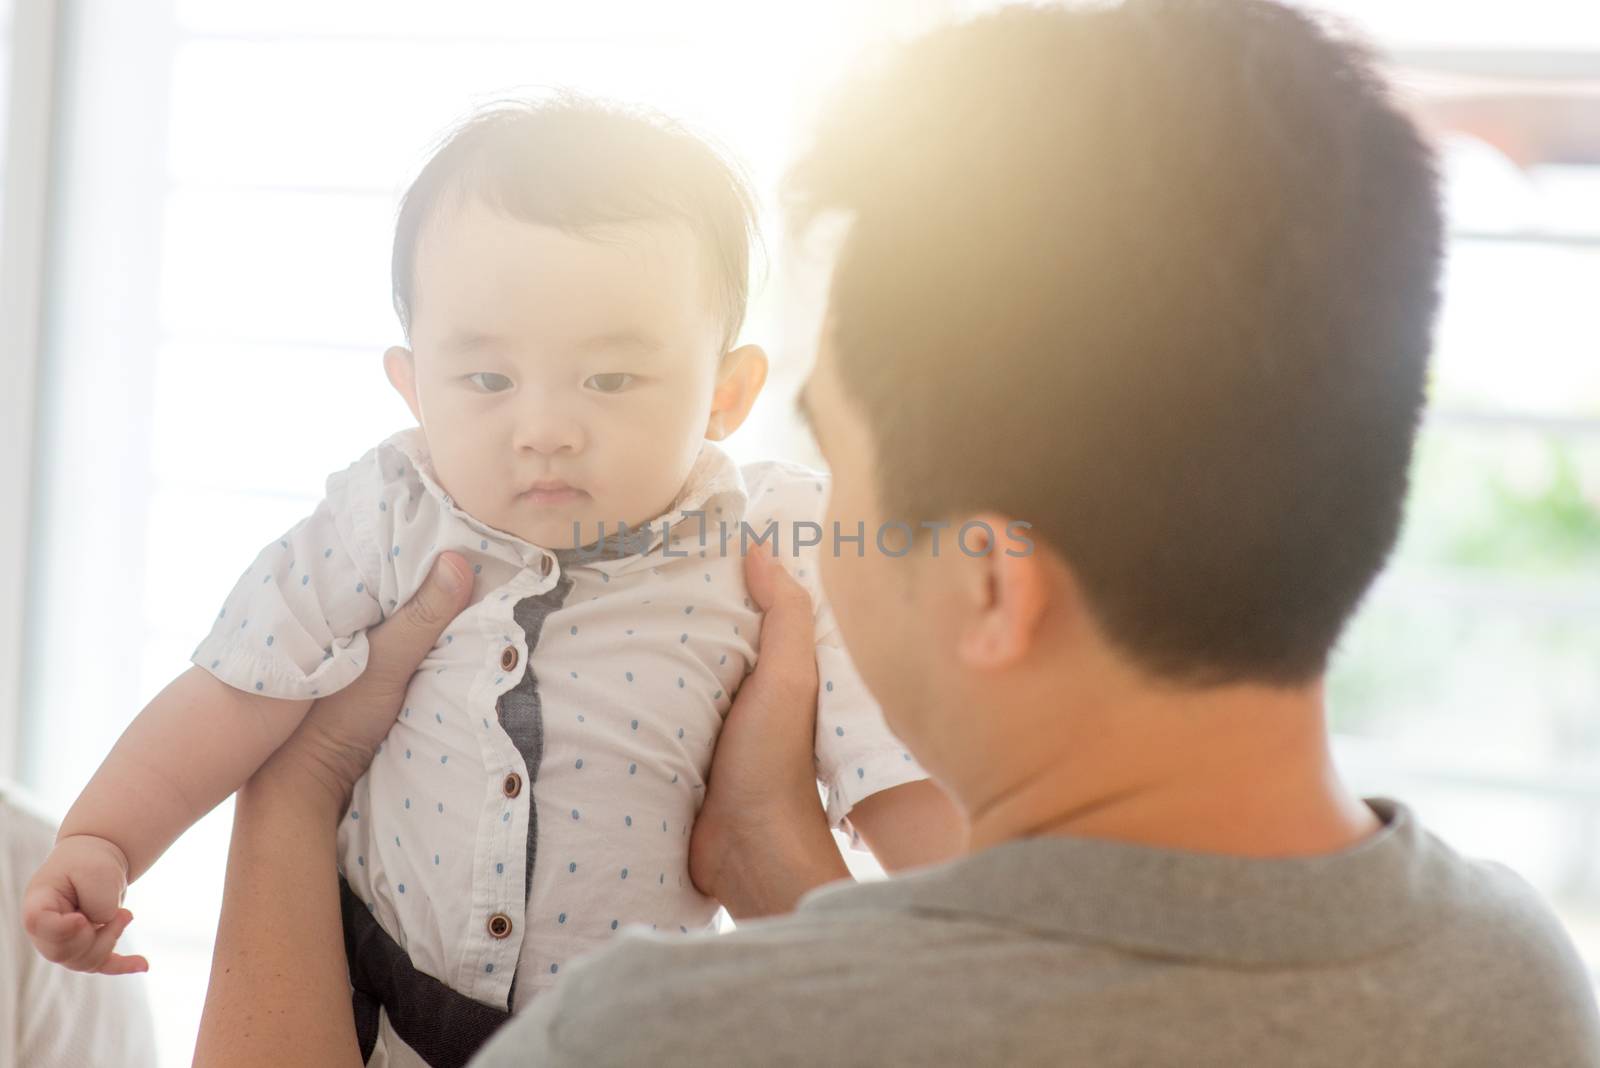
(1380,893)
(714,482)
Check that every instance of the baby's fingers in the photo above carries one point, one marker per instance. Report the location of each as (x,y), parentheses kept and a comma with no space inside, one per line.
(97,954)
(117,964)
(71,940)
(56,926)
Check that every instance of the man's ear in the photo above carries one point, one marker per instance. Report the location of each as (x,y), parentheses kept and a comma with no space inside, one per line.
(400,365)
(1007,589)
(740,376)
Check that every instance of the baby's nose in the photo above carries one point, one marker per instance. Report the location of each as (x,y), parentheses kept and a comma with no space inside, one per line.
(549,434)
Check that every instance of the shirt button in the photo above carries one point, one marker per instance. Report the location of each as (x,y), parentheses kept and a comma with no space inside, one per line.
(513,784)
(500,925)
(508,659)
(545,565)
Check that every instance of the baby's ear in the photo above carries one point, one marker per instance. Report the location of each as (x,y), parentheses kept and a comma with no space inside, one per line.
(740,376)
(400,365)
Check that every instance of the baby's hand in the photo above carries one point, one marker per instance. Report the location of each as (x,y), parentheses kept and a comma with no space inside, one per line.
(73,906)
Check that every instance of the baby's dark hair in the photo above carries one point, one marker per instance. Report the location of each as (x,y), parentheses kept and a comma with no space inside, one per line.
(577,164)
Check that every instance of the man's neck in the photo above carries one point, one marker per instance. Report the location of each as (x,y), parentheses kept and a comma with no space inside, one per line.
(1242,770)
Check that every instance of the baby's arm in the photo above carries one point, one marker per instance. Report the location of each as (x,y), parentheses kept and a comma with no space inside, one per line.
(876,790)
(191,747)
(910,825)
(292,629)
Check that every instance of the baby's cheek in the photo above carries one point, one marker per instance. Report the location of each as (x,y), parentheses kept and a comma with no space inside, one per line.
(646,481)
(455,468)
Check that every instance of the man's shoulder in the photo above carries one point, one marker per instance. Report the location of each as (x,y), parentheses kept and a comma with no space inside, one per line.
(938,968)
(1497,919)
(1493,974)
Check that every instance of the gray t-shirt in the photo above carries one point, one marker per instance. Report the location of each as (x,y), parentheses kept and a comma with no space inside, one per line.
(1055,951)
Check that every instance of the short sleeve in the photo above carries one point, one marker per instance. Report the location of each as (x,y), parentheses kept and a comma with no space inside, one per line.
(294,625)
(856,753)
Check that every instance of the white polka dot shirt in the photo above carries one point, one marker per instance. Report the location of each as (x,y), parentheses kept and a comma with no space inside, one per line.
(635,667)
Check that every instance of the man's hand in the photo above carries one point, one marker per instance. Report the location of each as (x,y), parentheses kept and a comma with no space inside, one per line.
(761,840)
(280,984)
(339,736)
(73,906)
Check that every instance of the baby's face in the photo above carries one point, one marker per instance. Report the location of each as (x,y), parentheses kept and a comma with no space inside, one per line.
(558,378)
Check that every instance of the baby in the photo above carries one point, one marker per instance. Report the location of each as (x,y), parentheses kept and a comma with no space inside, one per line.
(571,279)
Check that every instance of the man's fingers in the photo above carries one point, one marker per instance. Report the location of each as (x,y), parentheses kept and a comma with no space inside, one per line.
(338,737)
(400,642)
(773,588)
(788,647)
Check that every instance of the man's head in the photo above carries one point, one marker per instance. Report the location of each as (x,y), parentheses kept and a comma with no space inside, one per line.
(572,279)
(1156,278)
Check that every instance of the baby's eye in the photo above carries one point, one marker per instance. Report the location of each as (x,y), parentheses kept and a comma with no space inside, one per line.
(610,383)
(490,382)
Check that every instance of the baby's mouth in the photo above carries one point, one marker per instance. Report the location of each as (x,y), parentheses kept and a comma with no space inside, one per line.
(551,492)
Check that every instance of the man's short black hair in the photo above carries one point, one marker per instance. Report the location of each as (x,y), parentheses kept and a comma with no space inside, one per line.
(578,164)
(1160,279)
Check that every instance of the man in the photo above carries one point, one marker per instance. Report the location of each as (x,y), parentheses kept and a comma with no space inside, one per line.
(1157,280)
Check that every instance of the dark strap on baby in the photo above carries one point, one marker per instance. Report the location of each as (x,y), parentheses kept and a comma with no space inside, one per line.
(444,1027)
